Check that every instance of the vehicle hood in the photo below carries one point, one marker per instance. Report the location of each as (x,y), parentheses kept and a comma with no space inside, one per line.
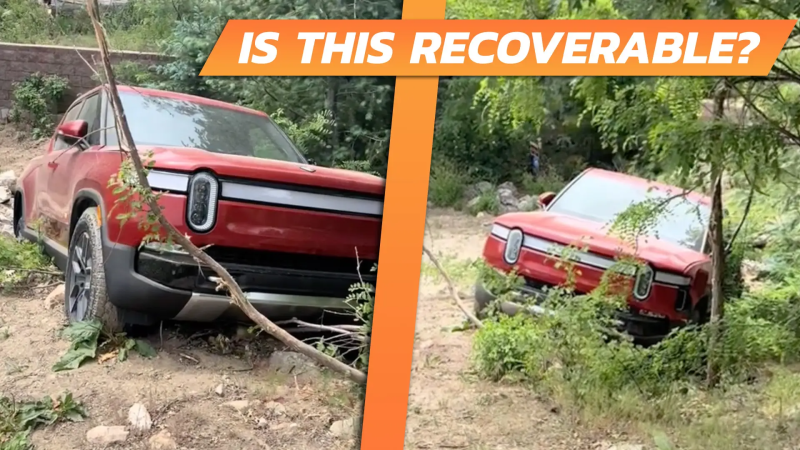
(567,230)
(247,167)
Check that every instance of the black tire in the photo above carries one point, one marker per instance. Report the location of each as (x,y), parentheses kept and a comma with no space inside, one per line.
(19,223)
(87,236)
(700,313)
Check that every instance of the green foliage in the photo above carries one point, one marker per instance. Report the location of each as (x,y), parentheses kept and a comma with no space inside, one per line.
(447,184)
(487,202)
(332,119)
(19,419)
(130,73)
(34,102)
(18,259)
(140,25)
(545,181)
(87,337)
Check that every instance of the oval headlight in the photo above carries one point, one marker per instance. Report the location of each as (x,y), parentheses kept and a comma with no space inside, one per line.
(643,282)
(513,247)
(201,208)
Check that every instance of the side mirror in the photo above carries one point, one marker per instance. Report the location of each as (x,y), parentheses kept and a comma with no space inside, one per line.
(72,131)
(546,198)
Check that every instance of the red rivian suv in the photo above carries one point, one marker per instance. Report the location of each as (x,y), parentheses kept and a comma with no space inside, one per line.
(671,289)
(288,231)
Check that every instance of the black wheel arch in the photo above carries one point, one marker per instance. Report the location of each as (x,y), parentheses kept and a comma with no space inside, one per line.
(83,200)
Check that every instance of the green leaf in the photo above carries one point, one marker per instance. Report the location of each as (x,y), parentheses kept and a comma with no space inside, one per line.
(144,349)
(74,358)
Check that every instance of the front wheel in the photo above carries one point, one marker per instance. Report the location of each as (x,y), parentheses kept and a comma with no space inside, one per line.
(85,296)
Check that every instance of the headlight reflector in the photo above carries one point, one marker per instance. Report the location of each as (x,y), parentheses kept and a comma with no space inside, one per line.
(513,246)
(643,282)
(201,208)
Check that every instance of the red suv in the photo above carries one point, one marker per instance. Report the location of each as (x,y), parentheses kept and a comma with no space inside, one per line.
(289,232)
(671,289)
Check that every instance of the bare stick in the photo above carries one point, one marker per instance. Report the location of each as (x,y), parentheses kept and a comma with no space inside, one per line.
(451,287)
(237,296)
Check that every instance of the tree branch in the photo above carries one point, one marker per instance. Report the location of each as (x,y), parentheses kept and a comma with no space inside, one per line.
(237,296)
(452,289)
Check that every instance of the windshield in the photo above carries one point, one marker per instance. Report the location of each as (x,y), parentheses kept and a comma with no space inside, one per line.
(601,199)
(167,122)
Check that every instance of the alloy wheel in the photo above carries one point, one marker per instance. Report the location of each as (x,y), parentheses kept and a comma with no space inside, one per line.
(80,278)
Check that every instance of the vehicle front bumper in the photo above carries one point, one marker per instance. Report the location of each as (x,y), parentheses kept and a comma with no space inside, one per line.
(643,329)
(148,286)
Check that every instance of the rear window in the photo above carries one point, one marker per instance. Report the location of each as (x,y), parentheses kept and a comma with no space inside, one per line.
(602,199)
(165,122)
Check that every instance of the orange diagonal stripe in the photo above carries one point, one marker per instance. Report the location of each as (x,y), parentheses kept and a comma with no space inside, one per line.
(405,206)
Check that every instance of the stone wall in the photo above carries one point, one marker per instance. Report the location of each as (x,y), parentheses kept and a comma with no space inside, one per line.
(17,61)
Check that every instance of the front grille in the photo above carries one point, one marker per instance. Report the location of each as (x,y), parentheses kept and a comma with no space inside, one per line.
(542,286)
(280,260)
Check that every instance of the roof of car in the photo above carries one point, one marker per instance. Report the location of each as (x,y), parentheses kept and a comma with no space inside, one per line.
(643,182)
(179,96)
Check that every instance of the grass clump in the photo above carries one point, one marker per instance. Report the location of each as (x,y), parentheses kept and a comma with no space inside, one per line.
(18,260)
(19,419)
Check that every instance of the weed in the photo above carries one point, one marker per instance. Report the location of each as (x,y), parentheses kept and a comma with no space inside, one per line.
(85,341)
(18,419)
(34,102)
(487,202)
(18,260)
(447,184)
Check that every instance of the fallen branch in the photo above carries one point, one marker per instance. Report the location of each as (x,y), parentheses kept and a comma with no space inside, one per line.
(226,280)
(451,287)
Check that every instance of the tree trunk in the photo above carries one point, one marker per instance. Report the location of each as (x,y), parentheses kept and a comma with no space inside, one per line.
(236,294)
(330,105)
(717,258)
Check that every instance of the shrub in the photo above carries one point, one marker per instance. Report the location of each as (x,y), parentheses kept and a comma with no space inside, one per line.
(17,259)
(34,102)
(447,184)
(487,202)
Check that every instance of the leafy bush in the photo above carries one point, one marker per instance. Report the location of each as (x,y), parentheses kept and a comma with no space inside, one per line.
(18,259)
(19,419)
(487,202)
(447,184)
(546,181)
(34,102)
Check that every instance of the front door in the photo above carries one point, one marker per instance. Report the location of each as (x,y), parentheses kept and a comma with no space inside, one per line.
(47,217)
(67,168)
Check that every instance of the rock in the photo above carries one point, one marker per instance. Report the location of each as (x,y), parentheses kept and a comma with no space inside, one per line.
(480,215)
(220,389)
(5,195)
(346,427)
(475,190)
(473,203)
(508,186)
(507,197)
(526,203)
(275,408)
(483,187)
(104,435)
(139,418)
(261,423)
(282,426)
(8,180)
(238,405)
(55,297)
(162,441)
(291,363)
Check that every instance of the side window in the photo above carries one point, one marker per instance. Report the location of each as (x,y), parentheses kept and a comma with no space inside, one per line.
(72,114)
(111,128)
(91,114)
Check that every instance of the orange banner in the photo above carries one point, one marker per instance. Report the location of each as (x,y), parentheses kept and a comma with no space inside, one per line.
(497,47)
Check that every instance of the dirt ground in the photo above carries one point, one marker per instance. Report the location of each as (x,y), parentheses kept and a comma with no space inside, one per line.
(449,406)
